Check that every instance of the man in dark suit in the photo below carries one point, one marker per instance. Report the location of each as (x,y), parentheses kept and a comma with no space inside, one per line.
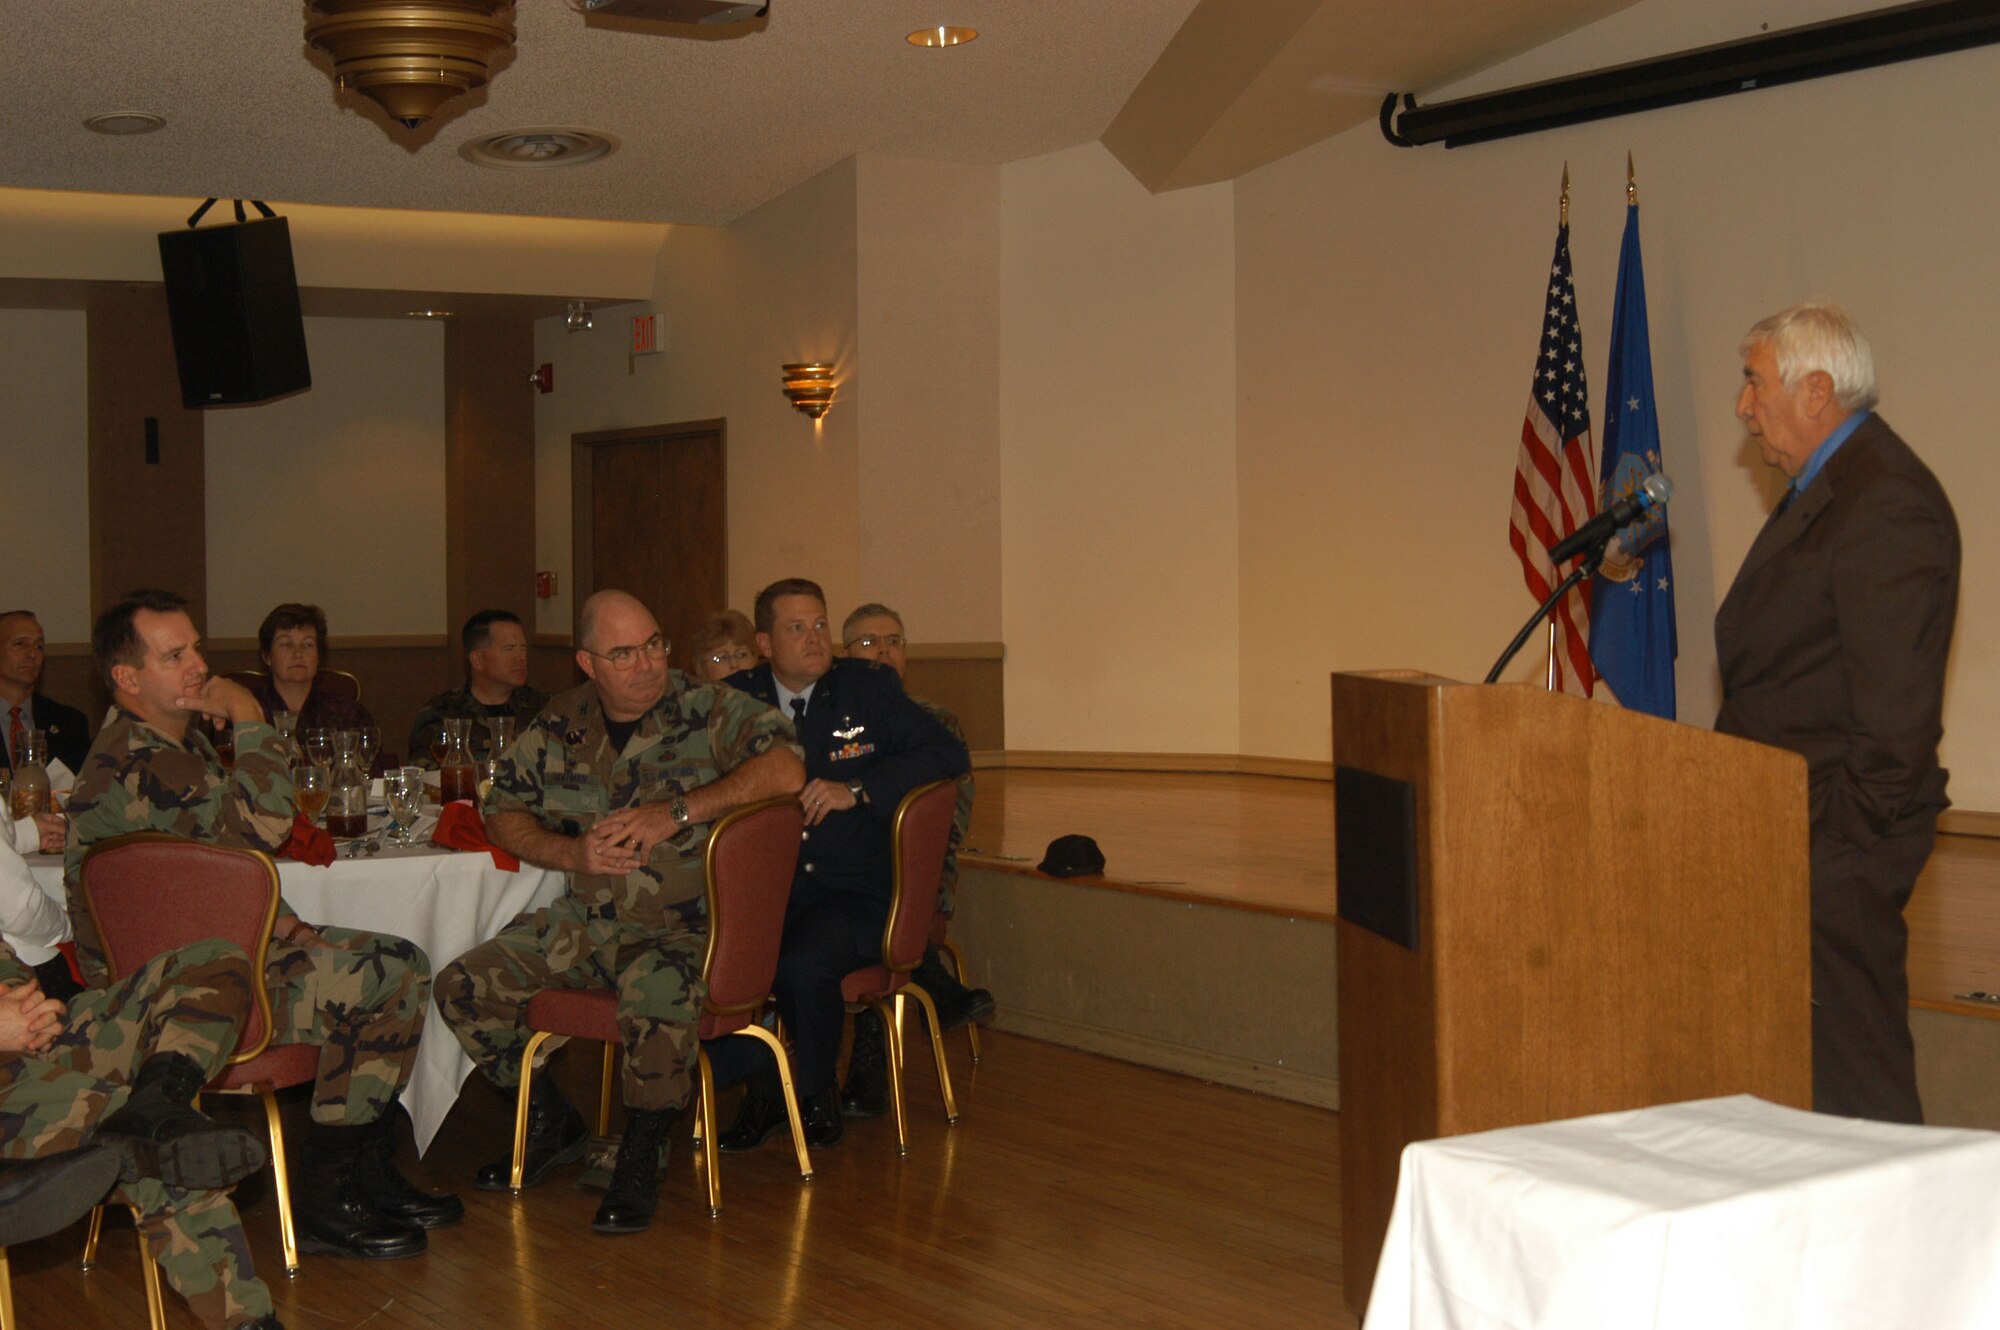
(22,708)
(866,746)
(1832,643)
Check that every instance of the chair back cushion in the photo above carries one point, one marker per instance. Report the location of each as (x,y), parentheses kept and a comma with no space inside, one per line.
(338,683)
(752,853)
(922,833)
(152,893)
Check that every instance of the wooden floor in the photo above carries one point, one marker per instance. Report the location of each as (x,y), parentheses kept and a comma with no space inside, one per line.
(1075,1191)
(1266,843)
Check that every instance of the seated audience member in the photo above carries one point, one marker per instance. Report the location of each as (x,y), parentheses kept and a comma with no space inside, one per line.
(866,746)
(496,684)
(117,1072)
(359,997)
(875,632)
(292,642)
(615,782)
(22,706)
(726,643)
(30,921)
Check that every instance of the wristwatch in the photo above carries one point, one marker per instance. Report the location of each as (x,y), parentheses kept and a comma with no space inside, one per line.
(678,810)
(860,795)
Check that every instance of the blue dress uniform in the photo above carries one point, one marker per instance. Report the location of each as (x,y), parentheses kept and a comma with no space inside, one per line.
(859,725)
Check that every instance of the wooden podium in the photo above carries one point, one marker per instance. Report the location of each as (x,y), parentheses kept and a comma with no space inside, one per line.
(1548,908)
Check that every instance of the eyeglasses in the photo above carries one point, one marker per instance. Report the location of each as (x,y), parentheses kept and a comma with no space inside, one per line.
(869,641)
(624,658)
(736,655)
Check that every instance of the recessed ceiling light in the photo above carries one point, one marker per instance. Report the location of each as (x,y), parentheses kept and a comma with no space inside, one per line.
(538,149)
(125,122)
(942,35)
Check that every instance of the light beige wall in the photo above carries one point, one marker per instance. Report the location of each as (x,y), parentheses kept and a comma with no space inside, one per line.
(776,286)
(1118,459)
(335,496)
(1388,304)
(114,237)
(928,282)
(45,471)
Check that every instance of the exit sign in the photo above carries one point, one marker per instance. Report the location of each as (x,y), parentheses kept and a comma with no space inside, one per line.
(646,335)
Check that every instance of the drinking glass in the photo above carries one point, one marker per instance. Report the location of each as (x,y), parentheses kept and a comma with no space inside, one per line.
(488,768)
(367,743)
(285,722)
(319,746)
(312,784)
(502,730)
(405,788)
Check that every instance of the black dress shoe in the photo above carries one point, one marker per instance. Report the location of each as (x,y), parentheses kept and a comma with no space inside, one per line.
(40,1196)
(556,1135)
(821,1117)
(866,1093)
(760,1115)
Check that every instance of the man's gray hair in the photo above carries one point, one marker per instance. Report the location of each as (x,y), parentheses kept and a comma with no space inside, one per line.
(873,609)
(1819,335)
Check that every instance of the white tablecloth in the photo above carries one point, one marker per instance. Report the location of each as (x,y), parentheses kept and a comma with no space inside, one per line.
(1708,1215)
(443,901)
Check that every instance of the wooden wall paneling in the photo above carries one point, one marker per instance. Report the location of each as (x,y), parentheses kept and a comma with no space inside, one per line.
(148,520)
(489,476)
(975,689)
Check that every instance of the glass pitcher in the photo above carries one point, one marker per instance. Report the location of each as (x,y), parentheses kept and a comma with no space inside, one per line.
(457,778)
(30,793)
(347,805)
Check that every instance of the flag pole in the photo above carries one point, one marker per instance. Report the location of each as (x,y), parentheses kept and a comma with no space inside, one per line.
(1549,668)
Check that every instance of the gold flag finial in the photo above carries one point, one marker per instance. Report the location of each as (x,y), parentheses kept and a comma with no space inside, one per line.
(1631,182)
(1563,215)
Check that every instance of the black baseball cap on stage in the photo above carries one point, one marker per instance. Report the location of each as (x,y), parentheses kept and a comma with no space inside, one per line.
(1072,856)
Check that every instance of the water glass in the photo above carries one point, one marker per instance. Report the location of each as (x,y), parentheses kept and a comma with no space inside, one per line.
(367,743)
(405,789)
(312,785)
(319,745)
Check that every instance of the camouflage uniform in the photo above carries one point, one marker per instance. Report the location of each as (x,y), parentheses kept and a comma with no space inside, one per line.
(644,933)
(961,817)
(190,1002)
(526,703)
(360,996)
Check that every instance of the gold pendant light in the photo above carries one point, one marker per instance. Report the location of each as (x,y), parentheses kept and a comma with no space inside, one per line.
(410,56)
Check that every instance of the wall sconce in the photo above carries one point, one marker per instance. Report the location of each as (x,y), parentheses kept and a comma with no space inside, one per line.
(576,317)
(810,386)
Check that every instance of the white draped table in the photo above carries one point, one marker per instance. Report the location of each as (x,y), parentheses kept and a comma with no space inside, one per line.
(1710,1215)
(444,901)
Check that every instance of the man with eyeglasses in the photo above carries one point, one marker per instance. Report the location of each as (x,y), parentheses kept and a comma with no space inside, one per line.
(866,746)
(496,685)
(615,782)
(875,632)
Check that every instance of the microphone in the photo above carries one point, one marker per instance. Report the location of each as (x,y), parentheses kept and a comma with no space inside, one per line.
(1653,491)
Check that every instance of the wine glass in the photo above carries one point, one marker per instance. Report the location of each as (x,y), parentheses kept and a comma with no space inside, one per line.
(405,788)
(487,768)
(502,730)
(319,745)
(285,722)
(367,743)
(312,785)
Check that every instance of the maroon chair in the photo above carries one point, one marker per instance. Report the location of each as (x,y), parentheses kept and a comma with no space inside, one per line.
(751,854)
(922,831)
(334,683)
(152,893)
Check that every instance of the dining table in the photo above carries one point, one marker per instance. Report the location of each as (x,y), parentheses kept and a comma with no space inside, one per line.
(445,901)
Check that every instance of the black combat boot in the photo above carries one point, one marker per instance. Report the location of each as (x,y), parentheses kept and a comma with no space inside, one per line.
(634,1192)
(388,1192)
(762,1112)
(42,1196)
(958,1006)
(159,1134)
(556,1135)
(334,1217)
(820,1116)
(866,1094)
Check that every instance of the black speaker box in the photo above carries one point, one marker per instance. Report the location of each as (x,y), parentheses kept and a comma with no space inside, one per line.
(233,300)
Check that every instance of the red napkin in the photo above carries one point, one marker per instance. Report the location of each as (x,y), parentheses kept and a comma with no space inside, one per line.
(308,844)
(460,827)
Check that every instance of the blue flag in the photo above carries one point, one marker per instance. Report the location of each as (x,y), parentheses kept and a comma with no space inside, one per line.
(1632,600)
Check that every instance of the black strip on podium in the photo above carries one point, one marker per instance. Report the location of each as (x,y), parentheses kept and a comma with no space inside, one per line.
(1375,853)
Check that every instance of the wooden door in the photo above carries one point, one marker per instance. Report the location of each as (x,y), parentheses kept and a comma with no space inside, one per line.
(650,517)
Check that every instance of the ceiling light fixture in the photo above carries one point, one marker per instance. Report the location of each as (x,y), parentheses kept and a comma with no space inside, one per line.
(410,56)
(941,36)
(576,316)
(122,123)
(427,314)
(810,386)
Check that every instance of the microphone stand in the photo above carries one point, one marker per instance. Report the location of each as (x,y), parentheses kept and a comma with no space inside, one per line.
(1586,565)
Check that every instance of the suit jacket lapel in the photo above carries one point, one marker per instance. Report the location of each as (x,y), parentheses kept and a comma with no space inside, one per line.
(1782,528)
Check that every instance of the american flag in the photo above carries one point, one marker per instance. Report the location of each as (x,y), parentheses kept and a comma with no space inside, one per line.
(1555,485)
